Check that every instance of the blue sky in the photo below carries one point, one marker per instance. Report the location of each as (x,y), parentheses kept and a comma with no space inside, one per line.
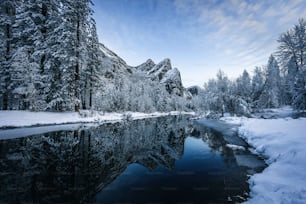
(199,36)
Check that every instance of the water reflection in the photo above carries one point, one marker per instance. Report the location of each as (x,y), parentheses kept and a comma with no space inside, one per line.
(151,160)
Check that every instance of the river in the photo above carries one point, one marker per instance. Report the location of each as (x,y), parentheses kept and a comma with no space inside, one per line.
(160,160)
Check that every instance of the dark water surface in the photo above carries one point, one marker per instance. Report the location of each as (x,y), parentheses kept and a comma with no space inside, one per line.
(161,160)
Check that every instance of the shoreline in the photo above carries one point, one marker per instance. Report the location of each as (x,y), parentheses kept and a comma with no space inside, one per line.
(23,119)
(281,141)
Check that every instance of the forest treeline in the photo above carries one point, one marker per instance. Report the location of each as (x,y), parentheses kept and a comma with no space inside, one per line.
(51,60)
(280,82)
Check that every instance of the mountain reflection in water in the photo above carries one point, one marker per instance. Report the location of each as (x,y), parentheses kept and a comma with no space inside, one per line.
(164,160)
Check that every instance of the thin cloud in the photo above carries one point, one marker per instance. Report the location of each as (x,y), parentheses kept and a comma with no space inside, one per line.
(198,35)
(248,27)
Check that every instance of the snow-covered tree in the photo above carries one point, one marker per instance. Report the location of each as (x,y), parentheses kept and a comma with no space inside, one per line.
(258,80)
(270,96)
(292,52)
(7,19)
(90,79)
(76,20)
(25,62)
(45,46)
(243,86)
(22,83)
(217,93)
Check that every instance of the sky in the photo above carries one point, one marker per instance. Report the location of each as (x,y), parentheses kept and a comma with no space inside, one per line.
(200,37)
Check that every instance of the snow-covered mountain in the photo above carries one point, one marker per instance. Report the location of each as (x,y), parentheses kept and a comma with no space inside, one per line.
(164,74)
(169,77)
(148,87)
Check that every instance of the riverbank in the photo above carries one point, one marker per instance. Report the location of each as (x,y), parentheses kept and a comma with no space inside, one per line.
(13,119)
(282,141)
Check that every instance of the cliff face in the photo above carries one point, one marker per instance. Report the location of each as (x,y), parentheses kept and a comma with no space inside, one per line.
(163,73)
(112,64)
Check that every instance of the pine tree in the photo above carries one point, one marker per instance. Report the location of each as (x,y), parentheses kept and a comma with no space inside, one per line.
(7,19)
(55,72)
(244,86)
(257,85)
(91,71)
(76,15)
(22,65)
(270,97)
(47,21)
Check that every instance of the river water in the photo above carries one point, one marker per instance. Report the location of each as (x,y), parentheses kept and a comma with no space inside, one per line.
(161,160)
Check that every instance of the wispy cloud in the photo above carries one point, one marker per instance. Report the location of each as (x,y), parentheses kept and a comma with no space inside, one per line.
(199,36)
(243,32)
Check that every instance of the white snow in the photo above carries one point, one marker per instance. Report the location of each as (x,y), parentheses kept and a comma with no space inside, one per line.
(27,118)
(161,67)
(235,147)
(283,112)
(14,133)
(171,75)
(283,142)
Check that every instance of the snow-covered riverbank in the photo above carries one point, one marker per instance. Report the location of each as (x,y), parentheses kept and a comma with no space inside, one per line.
(27,118)
(283,142)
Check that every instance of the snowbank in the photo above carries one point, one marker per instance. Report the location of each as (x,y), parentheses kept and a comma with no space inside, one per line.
(26,118)
(283,142)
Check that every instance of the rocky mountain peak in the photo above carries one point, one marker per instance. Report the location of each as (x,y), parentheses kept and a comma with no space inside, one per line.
(173,82)
(161,69)
(146,66)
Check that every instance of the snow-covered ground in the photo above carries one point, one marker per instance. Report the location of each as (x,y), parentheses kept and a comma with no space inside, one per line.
(283,142)
(27,118)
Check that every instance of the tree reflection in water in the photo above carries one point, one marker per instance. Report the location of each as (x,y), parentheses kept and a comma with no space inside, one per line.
(72,166)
